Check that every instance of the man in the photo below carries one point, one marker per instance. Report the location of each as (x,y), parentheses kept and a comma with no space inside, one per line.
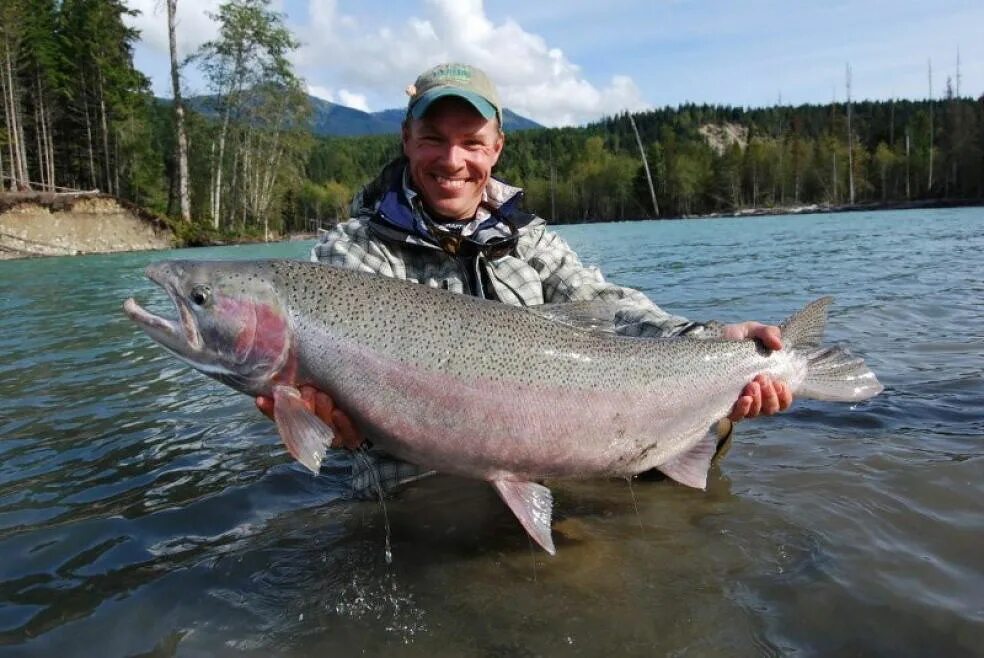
(437,217)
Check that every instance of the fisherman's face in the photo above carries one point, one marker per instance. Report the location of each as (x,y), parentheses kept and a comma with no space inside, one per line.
(452,150)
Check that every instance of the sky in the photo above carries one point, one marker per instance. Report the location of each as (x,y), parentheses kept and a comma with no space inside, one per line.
(573,62)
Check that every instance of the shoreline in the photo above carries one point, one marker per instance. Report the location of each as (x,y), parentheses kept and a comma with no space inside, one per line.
(39,224)
(24,246)
(818,209)
(807,209)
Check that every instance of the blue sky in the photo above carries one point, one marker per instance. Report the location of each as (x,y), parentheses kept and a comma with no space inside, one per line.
(564,63)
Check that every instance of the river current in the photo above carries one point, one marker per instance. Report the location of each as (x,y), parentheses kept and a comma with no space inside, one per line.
(148,510)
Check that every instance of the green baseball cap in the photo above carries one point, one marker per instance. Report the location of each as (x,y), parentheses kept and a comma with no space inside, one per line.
(461,80)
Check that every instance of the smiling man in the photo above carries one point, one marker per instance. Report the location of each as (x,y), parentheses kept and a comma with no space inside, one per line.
(437,217)
(452,139)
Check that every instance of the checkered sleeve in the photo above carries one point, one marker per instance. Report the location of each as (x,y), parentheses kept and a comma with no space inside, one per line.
(371,467)
(566,279)
(349,245)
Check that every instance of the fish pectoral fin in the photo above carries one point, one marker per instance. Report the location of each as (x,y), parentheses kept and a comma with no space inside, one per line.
(532,504)
(691,467)
(306,436)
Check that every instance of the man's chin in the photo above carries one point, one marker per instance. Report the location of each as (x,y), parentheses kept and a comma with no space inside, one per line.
(451,214)
(453,209)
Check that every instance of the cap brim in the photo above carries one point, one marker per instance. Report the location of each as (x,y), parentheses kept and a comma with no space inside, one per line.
(423,103)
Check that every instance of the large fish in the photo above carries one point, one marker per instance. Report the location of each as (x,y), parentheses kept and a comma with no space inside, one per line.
(477,388)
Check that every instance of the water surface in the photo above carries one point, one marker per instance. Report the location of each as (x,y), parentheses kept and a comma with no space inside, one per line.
(146,508)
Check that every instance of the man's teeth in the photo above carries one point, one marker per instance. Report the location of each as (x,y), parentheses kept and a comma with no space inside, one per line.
(451,182)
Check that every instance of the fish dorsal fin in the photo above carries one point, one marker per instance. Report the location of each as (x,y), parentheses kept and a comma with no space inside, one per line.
(532,504)
(592,315)
(804,329)
(690,468)
(305,435)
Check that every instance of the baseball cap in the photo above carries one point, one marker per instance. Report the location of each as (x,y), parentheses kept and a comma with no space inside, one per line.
(461,80)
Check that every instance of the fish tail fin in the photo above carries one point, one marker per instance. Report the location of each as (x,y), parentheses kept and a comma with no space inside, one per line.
(832,372)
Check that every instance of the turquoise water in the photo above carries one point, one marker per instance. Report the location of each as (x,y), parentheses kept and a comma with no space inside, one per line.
(146,508)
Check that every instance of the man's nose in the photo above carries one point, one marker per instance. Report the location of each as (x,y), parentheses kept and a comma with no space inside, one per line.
(453,156)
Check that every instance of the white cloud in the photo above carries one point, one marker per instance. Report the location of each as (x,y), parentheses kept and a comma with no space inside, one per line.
(324,93)
(343,97)
(349,99)
(534,79)
(193,26)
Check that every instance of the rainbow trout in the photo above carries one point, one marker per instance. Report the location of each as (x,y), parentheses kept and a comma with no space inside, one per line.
(473,387)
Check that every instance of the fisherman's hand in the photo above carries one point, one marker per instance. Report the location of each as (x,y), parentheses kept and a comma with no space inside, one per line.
(764,394)
(322,406)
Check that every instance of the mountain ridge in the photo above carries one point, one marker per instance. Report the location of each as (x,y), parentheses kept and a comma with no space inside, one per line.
(332,119)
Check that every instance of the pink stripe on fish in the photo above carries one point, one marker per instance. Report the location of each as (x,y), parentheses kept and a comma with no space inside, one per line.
(459,426)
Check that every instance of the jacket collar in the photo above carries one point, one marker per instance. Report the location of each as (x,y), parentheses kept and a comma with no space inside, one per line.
(397,214)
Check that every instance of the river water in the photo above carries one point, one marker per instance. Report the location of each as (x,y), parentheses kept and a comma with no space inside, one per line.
(145,509)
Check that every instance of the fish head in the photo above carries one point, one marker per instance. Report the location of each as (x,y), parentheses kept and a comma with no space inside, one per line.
(231,324)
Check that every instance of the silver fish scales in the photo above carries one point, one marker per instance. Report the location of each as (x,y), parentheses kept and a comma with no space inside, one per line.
(477,388)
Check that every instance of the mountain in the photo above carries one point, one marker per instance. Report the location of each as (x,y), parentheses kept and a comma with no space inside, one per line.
(332,119)
(514,122)
(329,118)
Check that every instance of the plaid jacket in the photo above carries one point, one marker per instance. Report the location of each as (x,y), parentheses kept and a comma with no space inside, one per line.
(385,236)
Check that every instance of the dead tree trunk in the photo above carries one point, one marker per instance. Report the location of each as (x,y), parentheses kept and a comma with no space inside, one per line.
(116,162)
(105,132)
(891,125)
(88,135)
(217,175)
(234,186)
(14,125)
(45,151)
(850,140)
(6,123)
(49,138)
(908,186)
(929,182)
(645,165)
(37,143)
(179,116)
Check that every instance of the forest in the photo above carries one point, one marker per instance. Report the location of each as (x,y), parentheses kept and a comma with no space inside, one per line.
(78,115)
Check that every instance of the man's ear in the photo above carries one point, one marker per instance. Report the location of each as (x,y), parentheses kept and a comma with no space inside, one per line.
(497,147)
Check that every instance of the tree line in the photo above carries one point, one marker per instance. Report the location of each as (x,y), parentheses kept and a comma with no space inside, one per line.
(715,159)
(78,114)
(75,110)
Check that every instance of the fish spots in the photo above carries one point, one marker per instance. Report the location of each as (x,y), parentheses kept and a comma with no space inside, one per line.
(465,337)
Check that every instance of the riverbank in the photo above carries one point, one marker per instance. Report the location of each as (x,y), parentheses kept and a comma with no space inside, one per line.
(47,224)
(43,224)
(822,208)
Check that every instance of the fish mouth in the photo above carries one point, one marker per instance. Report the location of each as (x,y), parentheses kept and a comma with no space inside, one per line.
(180,335)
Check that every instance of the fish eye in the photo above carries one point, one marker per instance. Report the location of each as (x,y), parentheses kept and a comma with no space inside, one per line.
(201,295)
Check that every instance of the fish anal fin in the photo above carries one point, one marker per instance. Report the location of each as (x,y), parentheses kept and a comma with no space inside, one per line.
(532,504)
(690,468)
(306,436)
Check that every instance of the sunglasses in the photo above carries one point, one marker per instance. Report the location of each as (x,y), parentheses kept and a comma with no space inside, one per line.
(468,247)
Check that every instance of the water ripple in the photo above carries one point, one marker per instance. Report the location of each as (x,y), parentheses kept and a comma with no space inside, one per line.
(144,508)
